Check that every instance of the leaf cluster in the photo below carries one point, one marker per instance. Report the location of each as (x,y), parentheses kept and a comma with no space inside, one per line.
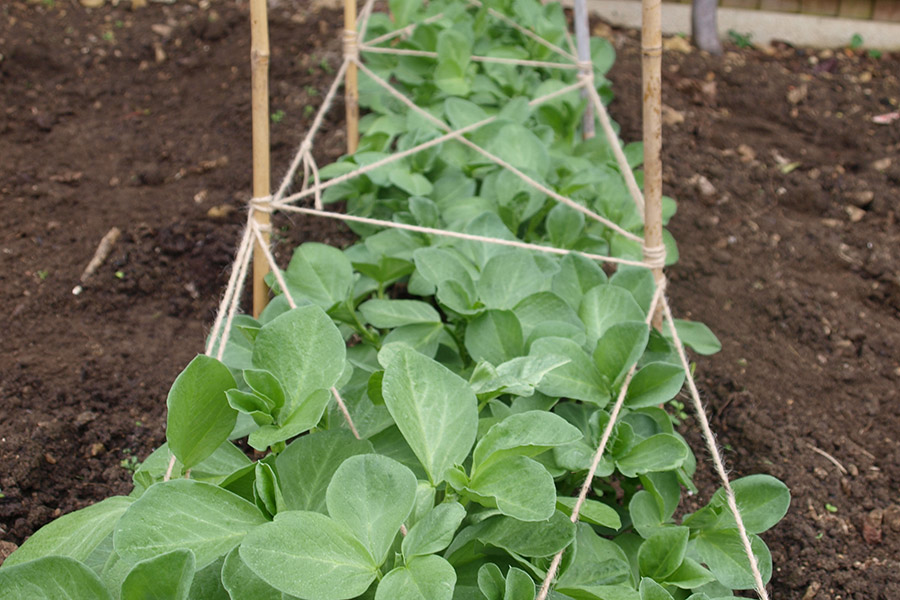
(479,377)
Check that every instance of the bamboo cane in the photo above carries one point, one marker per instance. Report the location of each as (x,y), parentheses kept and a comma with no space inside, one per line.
(583,42)
(351,86)
(259,61)
(651,51)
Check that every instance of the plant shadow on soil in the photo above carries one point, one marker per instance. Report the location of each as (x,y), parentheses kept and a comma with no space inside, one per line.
(788,201)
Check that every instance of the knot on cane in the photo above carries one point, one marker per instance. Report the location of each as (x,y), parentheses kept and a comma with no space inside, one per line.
(655,256)
(351,45)
(585,70)
(264,205)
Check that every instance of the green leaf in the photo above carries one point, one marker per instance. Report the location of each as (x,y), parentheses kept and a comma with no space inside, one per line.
(266,490)
(495,336)
(518,376)
(403,11)
(537,309)
(422,337)
(242,583)
(637,280)
(266,386)
(164,577)
(524,434)
(690,575)
(645,513)
(435,409)
(438,265)
(665,489)
(372,495)
(462,113)
(724,555)
(575,277)
(207,584)
(307,465)
(620,347)
(51,578)
(603,55)
(414,184)
(303,349)
(564,226)
(662,553)
(650,590)
(579,379)
(434,531)
(521,148)
(519,486)
(604,306)
(454,52)
(250,404)
(592,511)
(597,562)
(387,314)
(320,273)
(491,582)
(654,384)
(303,416)
(220,465)
(423,578)
(531,539)
(75,535)
(762,500)
(187,514)
(519,585)
(660,452)
(508,278)
(309,555)
(199,418)
(698,336)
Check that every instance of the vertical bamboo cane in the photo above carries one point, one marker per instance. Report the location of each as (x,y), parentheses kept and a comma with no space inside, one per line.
(259,61)
(651,46)
(583,41)
(351,87)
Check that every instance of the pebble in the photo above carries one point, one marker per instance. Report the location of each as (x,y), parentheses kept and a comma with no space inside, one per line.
(872,526)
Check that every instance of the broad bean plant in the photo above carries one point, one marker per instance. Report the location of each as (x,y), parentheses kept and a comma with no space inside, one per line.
(479,379)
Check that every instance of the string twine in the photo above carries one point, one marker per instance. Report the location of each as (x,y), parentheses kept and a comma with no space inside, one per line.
(715,454)
(601,448)
(655,256)
(351,44)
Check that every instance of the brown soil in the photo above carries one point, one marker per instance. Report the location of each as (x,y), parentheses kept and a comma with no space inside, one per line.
(140,120)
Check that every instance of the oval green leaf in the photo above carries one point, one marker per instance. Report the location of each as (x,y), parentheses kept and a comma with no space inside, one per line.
(187,514)
(309,555)
(199,418)
(372,495)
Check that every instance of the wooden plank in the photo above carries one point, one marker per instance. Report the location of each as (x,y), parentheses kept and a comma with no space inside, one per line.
(886,10)
(827,8)
(781,5)
(746,4)
(855,9)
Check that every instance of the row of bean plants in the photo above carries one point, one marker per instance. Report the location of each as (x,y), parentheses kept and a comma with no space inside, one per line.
(478,377)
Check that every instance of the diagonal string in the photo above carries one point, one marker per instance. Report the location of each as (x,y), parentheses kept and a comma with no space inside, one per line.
(458,235)
(486,59)
(601,448)
(456,135)
(715,455)
(306,145)
(279,277)
(525,31)
(613,140)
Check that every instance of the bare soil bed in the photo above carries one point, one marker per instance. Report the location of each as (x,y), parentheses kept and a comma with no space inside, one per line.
(788,197)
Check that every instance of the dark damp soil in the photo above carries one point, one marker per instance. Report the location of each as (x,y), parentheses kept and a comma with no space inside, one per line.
(788,201)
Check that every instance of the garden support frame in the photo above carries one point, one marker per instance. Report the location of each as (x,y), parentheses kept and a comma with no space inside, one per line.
(254,244)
